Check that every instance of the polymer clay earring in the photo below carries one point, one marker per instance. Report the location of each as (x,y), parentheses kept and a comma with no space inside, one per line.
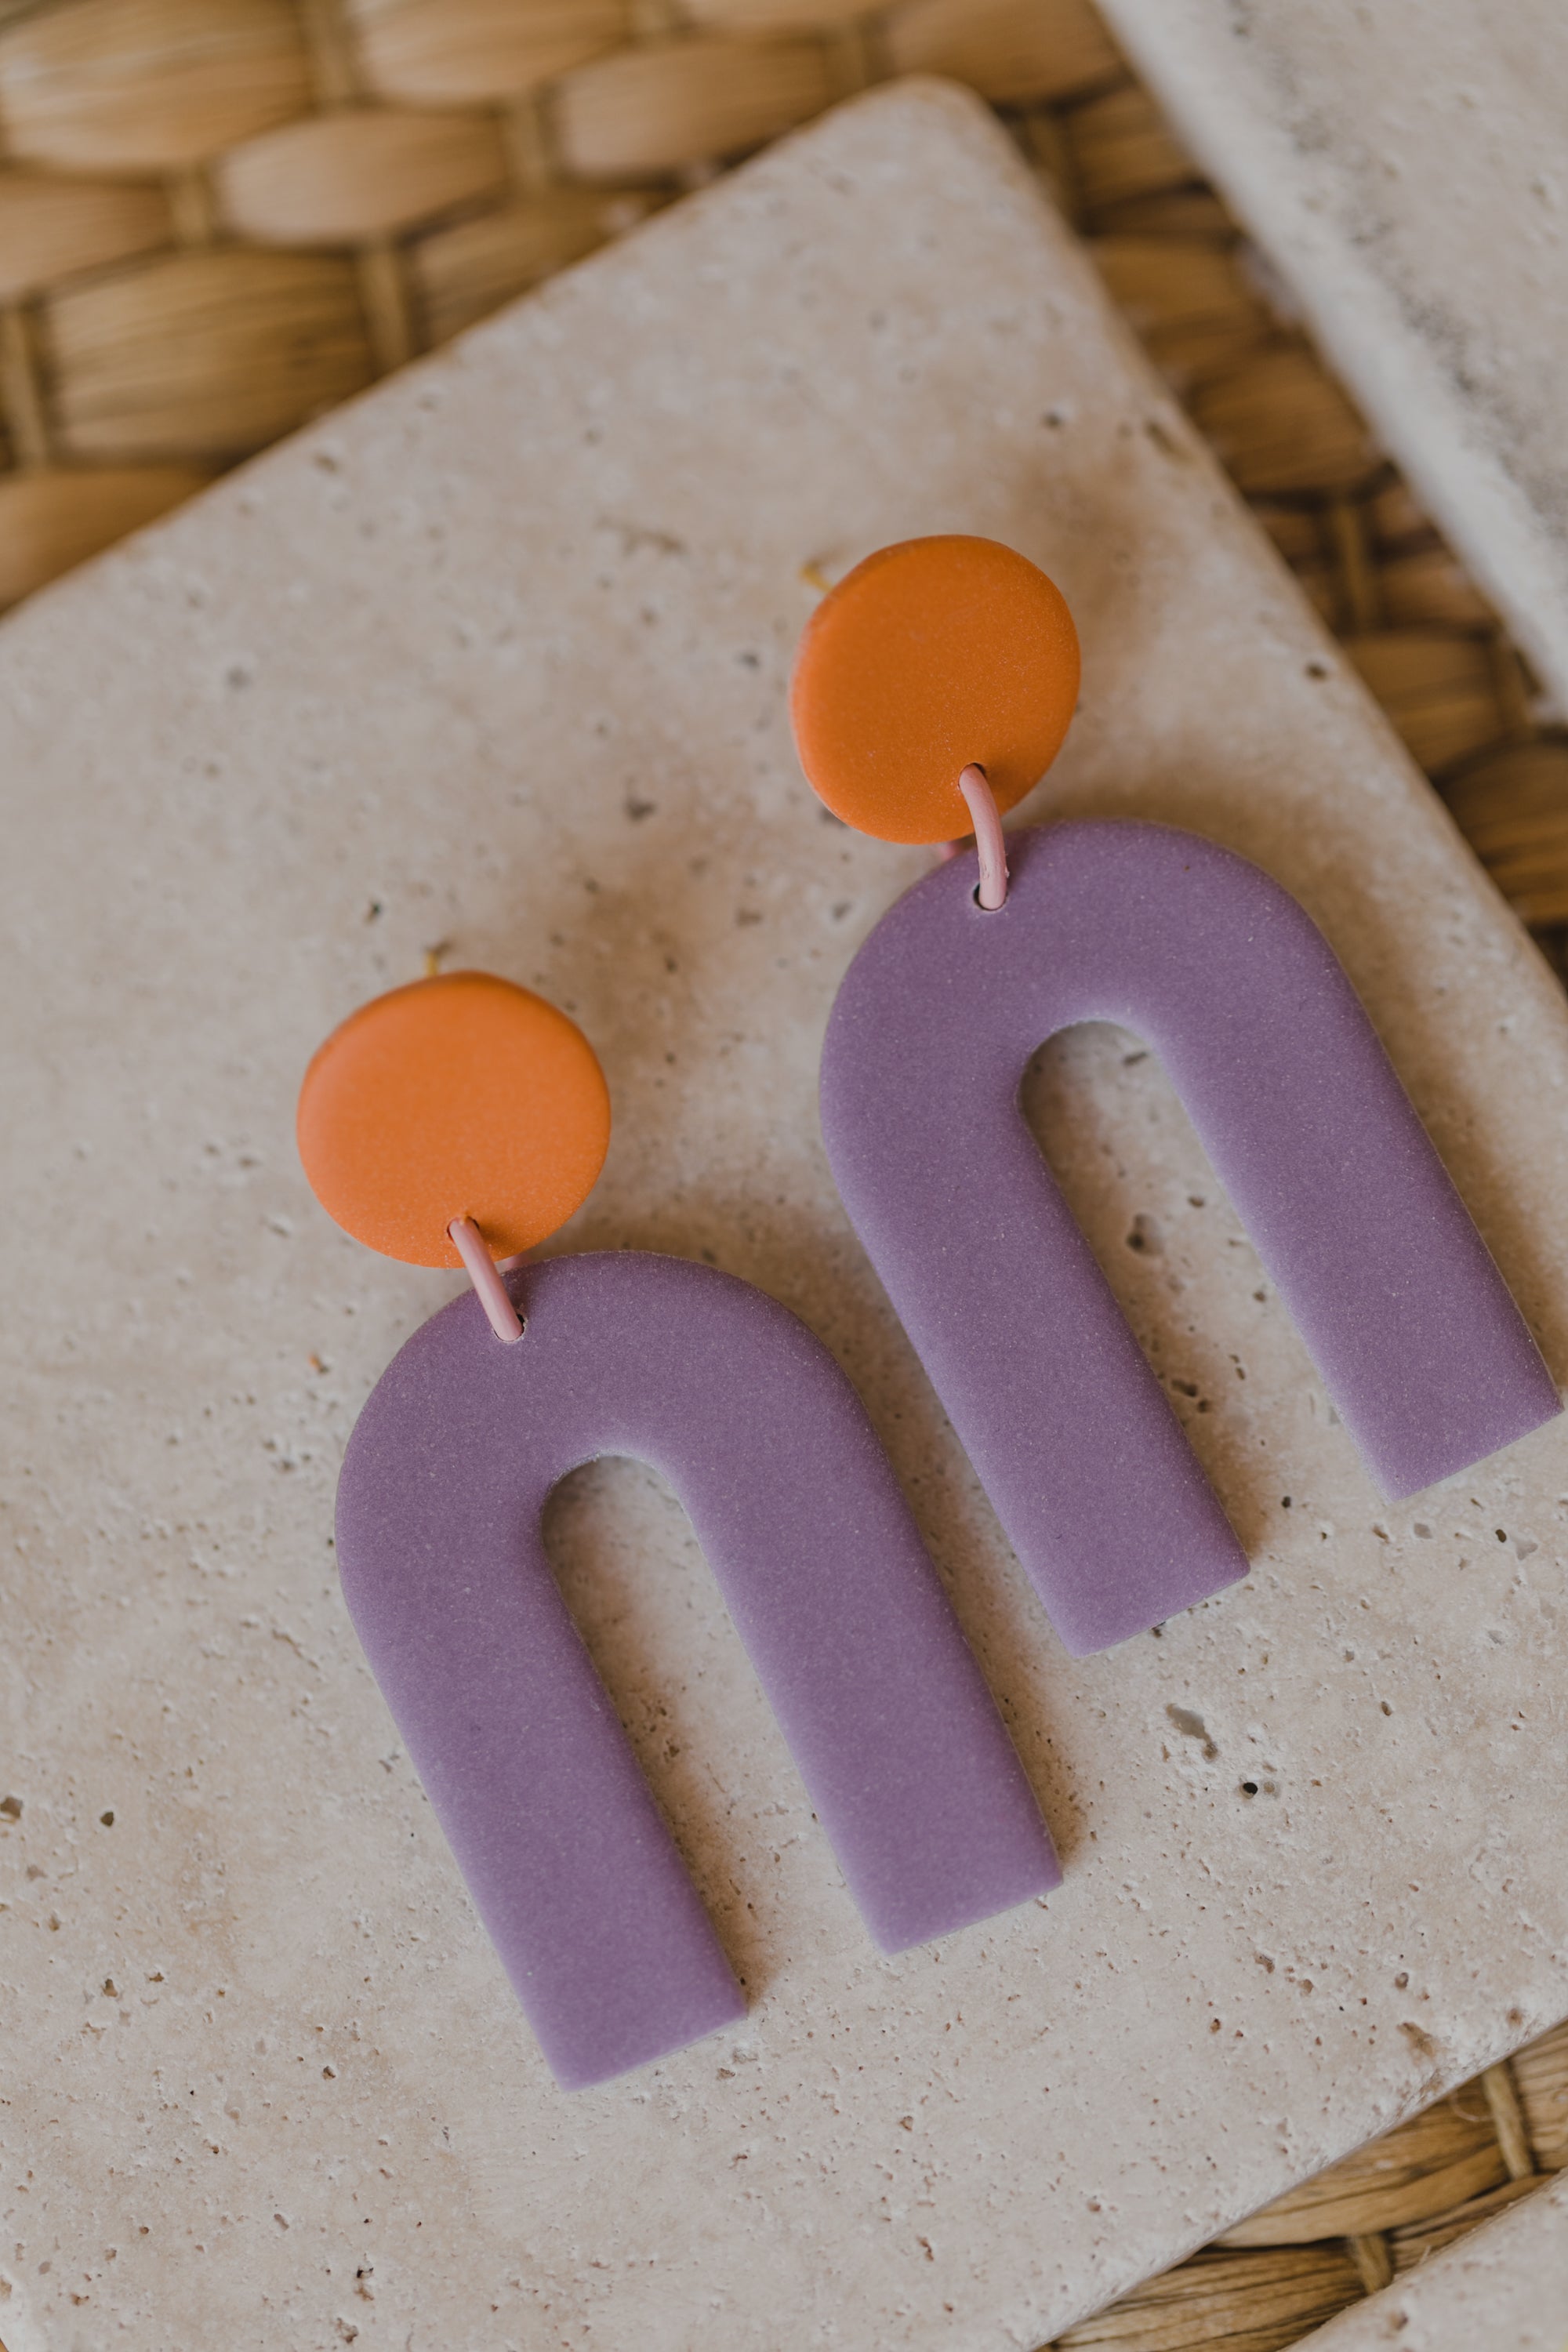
(462,1117)
(933,686)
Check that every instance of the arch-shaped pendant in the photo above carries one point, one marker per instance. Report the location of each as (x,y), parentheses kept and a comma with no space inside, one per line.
(904,1757)
(1423,1352)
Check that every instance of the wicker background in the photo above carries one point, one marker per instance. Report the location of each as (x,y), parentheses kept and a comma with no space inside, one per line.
(219,217)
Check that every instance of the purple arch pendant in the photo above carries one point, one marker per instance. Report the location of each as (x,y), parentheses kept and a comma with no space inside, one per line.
(1422,1350)
(566,1854)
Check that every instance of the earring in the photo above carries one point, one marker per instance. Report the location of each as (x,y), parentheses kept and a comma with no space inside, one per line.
(463,1116)
(933,686)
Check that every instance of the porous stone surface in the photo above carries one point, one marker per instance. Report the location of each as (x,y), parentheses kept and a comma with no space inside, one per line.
(1506,2285)
(495,661)
(1403,167)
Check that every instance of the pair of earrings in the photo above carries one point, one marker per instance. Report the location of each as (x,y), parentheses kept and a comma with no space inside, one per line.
(462,1120)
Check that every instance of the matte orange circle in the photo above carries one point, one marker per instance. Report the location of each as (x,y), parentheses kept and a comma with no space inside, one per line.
(458,1096)
(926,656)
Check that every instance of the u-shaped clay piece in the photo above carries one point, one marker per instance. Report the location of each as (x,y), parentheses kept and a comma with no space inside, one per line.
(1422,1349)
(904,1757)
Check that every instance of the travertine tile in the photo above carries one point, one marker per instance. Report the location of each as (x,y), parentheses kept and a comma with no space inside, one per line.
(1403,167)
(1506,2285)
(497,659)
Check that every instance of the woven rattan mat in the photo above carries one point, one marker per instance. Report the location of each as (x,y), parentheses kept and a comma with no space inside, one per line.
(219,217)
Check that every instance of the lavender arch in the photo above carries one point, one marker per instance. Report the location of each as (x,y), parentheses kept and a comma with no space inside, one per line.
(532,1778)
(1422,1349)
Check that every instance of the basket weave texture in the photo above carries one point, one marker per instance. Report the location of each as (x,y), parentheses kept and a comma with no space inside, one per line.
(220,217)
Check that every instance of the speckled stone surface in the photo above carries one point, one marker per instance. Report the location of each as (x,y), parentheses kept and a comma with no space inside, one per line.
(497,659)
(1505,2285)
(1403,166)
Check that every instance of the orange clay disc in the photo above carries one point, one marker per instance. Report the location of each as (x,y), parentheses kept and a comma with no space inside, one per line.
(926,656)
(458,1096)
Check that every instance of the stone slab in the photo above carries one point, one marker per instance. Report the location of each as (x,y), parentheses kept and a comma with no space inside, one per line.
(495,660)
(1506,2285)
(1403,167)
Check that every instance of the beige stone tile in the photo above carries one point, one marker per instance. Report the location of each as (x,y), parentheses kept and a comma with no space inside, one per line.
(1506,2285)
(497,658)
(1403,166)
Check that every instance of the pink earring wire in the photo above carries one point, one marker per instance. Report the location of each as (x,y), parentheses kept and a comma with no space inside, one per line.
(483,1272)
(992,848)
